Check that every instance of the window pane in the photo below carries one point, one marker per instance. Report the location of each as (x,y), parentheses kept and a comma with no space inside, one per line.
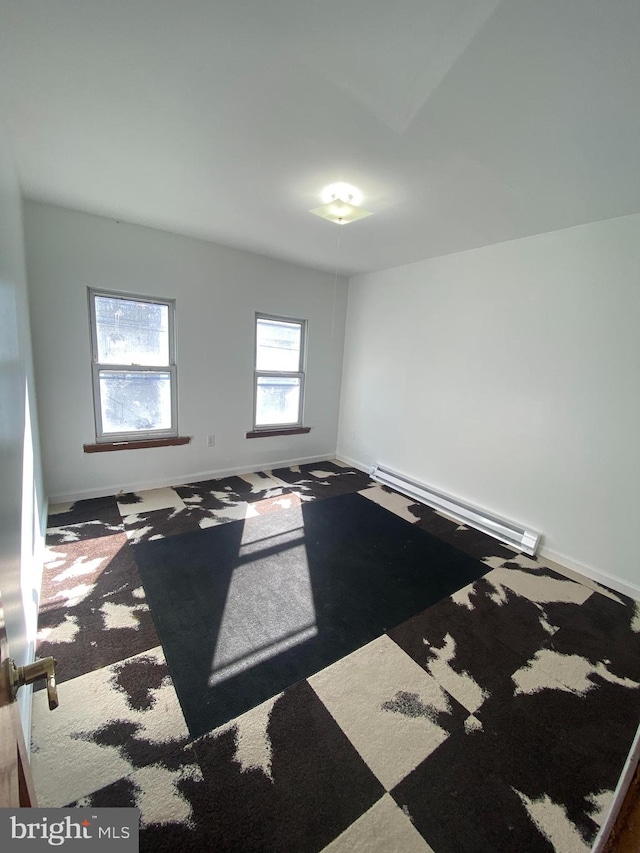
(131,332)
(278,345)
(277,400)
(133,401)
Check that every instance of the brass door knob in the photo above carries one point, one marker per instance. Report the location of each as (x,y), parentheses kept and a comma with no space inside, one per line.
(42,668)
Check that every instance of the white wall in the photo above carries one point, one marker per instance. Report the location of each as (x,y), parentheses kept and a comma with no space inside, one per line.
(22,503)
(509,376)
(218,290)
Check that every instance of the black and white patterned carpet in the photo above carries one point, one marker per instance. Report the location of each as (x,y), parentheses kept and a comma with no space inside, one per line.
(498,719)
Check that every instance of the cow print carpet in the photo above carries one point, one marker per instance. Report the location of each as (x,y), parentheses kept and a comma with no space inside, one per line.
(498,719)
(246,609)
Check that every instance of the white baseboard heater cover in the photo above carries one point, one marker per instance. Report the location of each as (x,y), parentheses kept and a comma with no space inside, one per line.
(506,531)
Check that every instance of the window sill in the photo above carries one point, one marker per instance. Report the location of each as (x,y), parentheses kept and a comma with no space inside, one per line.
(108,446)
(269,433)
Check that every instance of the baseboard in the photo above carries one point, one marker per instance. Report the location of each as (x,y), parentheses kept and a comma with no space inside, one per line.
(196,477)
(355,463)
(511,533)
(613,582)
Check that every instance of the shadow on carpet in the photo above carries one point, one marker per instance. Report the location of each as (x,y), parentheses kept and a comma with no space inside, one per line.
(248,608)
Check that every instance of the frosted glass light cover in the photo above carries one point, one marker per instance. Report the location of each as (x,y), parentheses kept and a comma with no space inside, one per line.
(341,212)
(344,192)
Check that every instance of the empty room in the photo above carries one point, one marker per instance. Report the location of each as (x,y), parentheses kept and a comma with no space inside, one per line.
(319,422)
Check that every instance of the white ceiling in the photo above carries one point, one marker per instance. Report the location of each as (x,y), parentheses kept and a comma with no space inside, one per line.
(463,122)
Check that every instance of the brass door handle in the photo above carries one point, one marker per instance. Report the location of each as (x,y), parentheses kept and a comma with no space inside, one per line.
(42,668)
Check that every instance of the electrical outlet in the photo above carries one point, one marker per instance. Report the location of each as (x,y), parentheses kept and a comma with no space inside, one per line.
(211,440)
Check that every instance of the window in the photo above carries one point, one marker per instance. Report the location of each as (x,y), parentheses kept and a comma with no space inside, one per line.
(279,372)
(134,367)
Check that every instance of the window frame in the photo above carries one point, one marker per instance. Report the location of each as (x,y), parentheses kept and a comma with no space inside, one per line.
(299,374)
(97,367)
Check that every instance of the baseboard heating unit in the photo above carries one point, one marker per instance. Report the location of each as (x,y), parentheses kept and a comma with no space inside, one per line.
(506,531)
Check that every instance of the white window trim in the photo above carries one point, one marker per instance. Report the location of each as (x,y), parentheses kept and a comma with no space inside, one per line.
(96,367)
(300,373)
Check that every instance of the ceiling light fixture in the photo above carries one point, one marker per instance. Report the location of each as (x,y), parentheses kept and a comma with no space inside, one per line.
(345,192)
(341,204)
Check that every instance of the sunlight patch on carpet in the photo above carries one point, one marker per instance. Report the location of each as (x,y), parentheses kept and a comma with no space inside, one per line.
(272,630)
